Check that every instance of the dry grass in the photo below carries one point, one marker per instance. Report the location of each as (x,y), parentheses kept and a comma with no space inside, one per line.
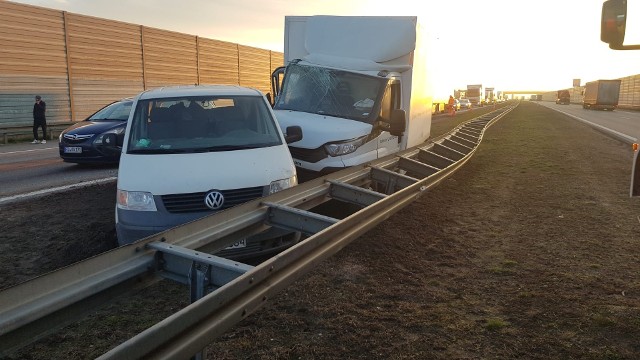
(529,251)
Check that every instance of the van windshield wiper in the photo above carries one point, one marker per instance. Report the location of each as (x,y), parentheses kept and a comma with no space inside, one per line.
(201,149)
(161,151)
(230,147)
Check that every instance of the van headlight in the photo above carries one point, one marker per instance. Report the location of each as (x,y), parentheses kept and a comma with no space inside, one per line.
(280,185)
(136,201)
(344,147)
(98,139)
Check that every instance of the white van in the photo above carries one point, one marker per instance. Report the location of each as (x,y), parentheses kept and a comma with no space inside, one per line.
(190,151)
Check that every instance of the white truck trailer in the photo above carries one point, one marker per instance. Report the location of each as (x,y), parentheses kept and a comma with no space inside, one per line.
(474,94)
(357,86)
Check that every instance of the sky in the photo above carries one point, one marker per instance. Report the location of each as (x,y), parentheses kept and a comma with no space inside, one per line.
(537,45)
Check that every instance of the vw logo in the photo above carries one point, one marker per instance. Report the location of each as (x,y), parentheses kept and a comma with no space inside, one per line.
(214,200)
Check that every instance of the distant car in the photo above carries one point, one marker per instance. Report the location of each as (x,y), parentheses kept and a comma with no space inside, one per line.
(465,104)
(77,143)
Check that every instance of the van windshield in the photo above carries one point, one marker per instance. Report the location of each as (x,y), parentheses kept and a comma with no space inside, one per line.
(331,92)
(201,124)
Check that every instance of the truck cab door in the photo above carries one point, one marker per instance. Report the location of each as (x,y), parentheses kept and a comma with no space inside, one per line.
(388,143)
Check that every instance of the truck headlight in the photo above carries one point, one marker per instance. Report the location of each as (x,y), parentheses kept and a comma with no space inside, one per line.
(135,200)
(280,185)
(98,139)
(344,147)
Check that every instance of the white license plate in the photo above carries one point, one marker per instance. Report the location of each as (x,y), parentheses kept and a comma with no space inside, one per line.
(72,150)
(238,244)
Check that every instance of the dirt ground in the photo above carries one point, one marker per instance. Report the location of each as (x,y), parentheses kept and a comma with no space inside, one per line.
(530,251)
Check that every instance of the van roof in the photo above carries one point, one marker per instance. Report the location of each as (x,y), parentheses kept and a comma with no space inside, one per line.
(198,90)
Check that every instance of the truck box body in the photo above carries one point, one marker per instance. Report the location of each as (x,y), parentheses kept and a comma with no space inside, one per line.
(343,76)
(474,94)
(601,94)
(563,97)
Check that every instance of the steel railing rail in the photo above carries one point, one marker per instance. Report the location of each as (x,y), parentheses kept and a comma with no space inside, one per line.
(382,188)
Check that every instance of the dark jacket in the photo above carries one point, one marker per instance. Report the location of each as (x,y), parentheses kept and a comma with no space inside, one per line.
(39,110)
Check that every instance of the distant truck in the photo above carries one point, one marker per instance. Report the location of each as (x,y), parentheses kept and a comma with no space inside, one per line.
(356,85)
(563,97)
(489,96)
(601,94)
(474,94)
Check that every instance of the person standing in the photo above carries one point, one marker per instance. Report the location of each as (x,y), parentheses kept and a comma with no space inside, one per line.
(39,120)
(452,106)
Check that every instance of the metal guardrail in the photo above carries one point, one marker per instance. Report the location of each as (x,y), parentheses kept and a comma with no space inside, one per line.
(52,129)
(228,291)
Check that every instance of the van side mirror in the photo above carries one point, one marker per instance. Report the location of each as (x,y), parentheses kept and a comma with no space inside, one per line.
(110,143)
(397,126)
(294,133)
(613,25)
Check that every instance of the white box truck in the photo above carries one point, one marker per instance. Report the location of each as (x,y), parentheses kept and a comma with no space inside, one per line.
(474,94)
(357,86)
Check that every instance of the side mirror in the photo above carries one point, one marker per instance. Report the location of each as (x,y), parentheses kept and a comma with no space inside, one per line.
(294,133)
(613,25)
(110,140)
(397,126)
(110,143)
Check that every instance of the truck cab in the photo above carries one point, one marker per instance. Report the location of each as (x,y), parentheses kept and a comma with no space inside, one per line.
(349,117)
(356,98)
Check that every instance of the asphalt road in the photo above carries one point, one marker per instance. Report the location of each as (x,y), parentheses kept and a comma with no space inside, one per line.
(26,168)
(624,122)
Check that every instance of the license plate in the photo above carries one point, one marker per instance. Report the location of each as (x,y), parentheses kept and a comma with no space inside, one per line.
(238,244)
(73,150)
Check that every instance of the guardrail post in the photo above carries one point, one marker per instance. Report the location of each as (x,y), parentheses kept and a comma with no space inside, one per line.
(198,280)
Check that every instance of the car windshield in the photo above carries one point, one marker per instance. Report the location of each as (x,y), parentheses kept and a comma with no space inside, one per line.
(331,92)
(117,111)
(202,124)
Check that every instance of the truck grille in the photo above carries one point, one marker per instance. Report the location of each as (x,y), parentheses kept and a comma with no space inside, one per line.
(194,202)
(308,155)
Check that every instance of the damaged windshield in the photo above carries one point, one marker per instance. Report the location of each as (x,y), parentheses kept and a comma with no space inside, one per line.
(331,92)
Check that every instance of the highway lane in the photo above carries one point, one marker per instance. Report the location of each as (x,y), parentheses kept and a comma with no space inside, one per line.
(26,168)
(625,122)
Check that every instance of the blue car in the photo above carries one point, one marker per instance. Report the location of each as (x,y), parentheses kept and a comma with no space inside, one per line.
(78,143)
